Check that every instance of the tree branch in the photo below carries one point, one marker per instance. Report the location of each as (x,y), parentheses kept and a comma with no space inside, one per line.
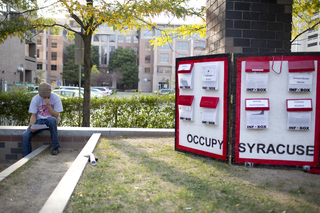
(304,31)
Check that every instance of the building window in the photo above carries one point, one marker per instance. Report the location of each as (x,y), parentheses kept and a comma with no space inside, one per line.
(112,38)
(53,67)
(104,38)
(112,50)
(136,50)
(200,46)
(39,66)
(164,57)
(47,56)
(53,56)
(312,44)
(148,59)
(120,38)
(38,40)
(47,43)
(135,39)
(168,69)
(182,45)
(148,46)
(38,53)
(104,54)
(147,70)
(312,37)
(165,47)
(54,43)
(182,55)
(65,33)
(96,38)
(128,39)
(51,32)
(160,70)
(147,34)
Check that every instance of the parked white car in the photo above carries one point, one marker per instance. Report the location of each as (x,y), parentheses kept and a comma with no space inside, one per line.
(75,93)
(67,93)
(104,90)
(96,93)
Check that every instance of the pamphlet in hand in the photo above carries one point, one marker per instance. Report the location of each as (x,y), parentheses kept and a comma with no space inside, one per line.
(39,126)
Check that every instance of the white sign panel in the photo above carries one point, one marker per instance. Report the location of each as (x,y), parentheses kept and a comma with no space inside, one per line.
(185,81)
(257,119)
(210,76)
(257,82)
(184,67)
(300,82)
(299,120)
(299,104)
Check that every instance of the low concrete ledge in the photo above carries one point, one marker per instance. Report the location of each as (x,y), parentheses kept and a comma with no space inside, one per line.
(69,137)
(88,131)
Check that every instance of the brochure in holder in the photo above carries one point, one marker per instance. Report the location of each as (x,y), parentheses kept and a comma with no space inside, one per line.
(299,114)
(257,76)
(300,76)
(257,113)
(209,112)
(185,77)
(185,103)
(210,76)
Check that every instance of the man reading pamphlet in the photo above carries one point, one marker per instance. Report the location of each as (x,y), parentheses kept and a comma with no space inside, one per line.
(45,111)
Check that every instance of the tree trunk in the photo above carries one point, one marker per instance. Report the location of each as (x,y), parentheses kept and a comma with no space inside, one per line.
(87,79)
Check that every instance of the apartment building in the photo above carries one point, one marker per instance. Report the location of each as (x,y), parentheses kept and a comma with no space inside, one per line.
(51,55)
(156,64)
(309,41)
(17,60)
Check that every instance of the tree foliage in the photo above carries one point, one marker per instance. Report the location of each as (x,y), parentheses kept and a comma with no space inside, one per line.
(303,12)
(123,61)
(124,15)
(71,70)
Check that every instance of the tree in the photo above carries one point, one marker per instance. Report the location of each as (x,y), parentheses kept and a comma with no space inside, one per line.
(95,73)
(70,70)
(124,62)
(40,76)
(123,15)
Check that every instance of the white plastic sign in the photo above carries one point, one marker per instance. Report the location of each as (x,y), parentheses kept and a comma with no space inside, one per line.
(257,116)
(210,77)
(299,114)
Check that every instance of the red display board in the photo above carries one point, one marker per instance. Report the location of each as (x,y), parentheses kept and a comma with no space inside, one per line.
(202,88)
(284,91)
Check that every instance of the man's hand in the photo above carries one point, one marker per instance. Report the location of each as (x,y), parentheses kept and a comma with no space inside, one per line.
(51,111)
(32,129)
(46,101)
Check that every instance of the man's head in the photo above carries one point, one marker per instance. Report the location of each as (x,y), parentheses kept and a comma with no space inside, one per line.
(44,90)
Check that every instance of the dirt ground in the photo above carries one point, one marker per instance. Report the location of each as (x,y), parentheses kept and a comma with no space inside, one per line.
(28,189)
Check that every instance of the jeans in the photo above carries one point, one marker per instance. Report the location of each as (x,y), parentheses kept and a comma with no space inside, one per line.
(52,123)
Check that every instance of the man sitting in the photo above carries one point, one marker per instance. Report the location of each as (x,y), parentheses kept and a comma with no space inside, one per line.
(45,109)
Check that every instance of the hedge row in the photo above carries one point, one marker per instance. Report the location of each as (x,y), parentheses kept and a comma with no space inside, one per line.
(135,111)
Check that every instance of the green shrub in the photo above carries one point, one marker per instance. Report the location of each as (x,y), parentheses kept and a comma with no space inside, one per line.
(136,111)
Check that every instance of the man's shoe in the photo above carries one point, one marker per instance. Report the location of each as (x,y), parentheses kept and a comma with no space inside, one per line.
(55,151)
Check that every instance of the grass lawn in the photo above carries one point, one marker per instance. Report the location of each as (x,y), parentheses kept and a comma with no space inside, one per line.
(148,175)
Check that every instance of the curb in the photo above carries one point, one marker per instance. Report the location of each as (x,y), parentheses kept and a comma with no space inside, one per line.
(62,193)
